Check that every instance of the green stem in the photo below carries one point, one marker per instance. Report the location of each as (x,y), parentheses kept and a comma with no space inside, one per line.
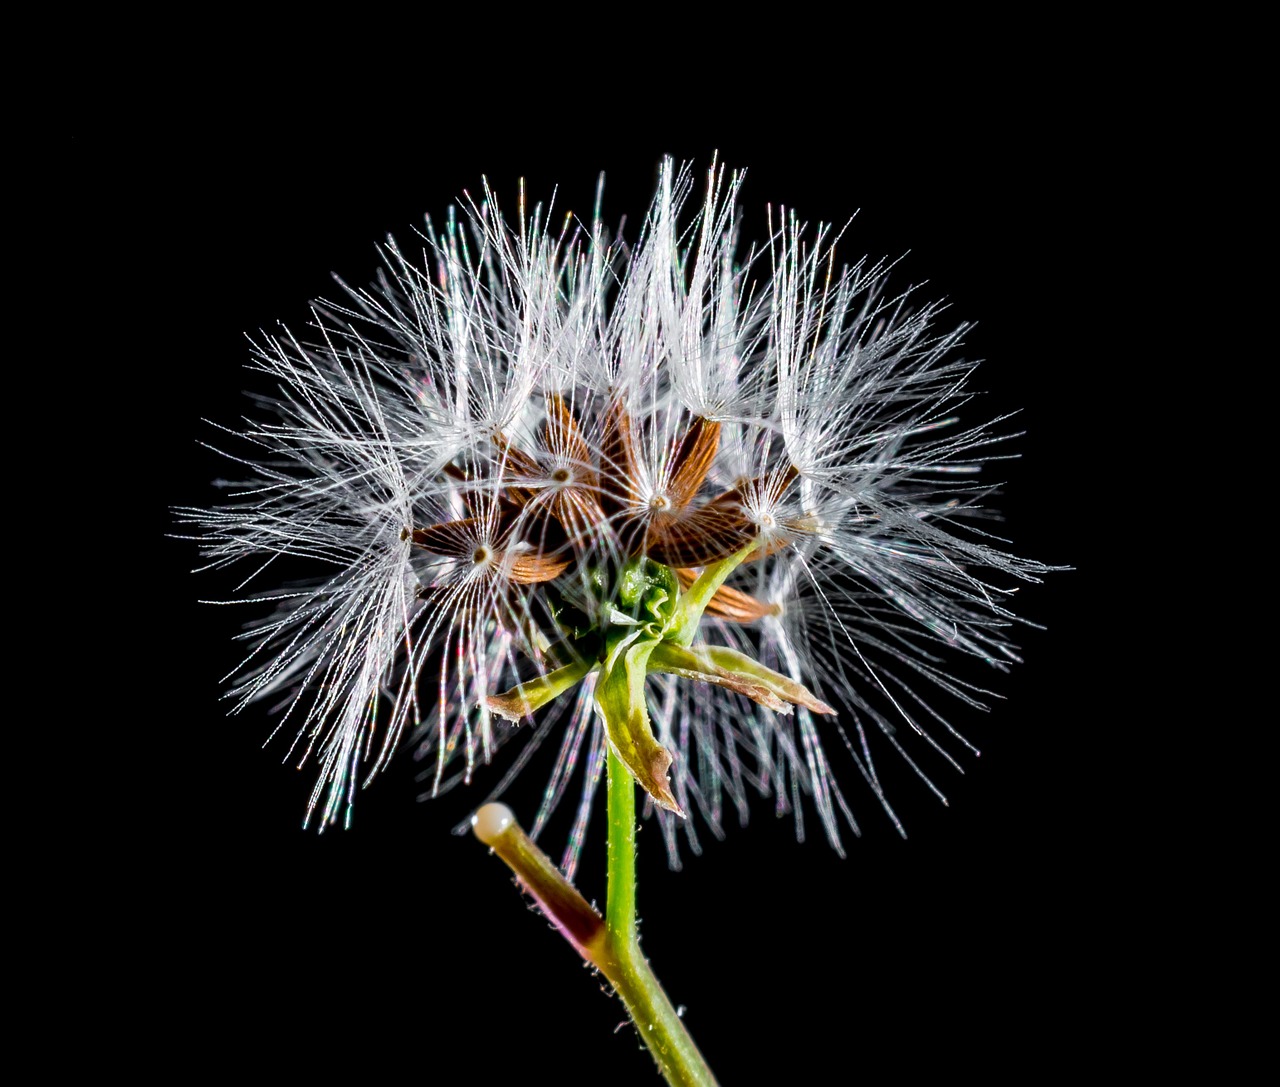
(659,1025)
(620,905)
(611,944)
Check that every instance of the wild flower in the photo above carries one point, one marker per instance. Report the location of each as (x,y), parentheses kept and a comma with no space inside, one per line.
(714,509)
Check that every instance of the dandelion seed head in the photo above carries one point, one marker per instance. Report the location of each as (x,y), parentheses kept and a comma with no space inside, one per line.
(715,507)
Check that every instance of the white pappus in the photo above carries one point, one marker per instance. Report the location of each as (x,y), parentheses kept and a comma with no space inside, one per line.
(716,508)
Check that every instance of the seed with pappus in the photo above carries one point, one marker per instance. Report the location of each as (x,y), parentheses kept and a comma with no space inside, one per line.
(716,507)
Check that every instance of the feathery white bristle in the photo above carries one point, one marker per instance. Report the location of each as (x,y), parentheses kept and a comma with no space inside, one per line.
(428,399)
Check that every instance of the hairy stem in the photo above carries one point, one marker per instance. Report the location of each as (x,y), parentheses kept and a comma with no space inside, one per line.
(610,943)
(657,1021)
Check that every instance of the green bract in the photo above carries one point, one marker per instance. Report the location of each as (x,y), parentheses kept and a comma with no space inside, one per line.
(648,625)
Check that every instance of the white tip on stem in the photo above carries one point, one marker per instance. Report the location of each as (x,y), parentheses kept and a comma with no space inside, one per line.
(490,821)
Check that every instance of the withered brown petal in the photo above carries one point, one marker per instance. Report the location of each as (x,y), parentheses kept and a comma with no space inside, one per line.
(692,461)
(530,568)
(516,463)
(539,526)
(469,496)
(777,486)
(564,439)
(788,477)
(698,537)
(457,539)
(617,461)
(517,460)
(577,511)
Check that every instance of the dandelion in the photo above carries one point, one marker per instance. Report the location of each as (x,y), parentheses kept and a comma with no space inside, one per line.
(706,515)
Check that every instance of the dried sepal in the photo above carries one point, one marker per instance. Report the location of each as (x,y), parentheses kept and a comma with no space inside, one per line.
(677,661)
(726,667)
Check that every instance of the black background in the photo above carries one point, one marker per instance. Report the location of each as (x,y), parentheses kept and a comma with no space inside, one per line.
(403,944)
